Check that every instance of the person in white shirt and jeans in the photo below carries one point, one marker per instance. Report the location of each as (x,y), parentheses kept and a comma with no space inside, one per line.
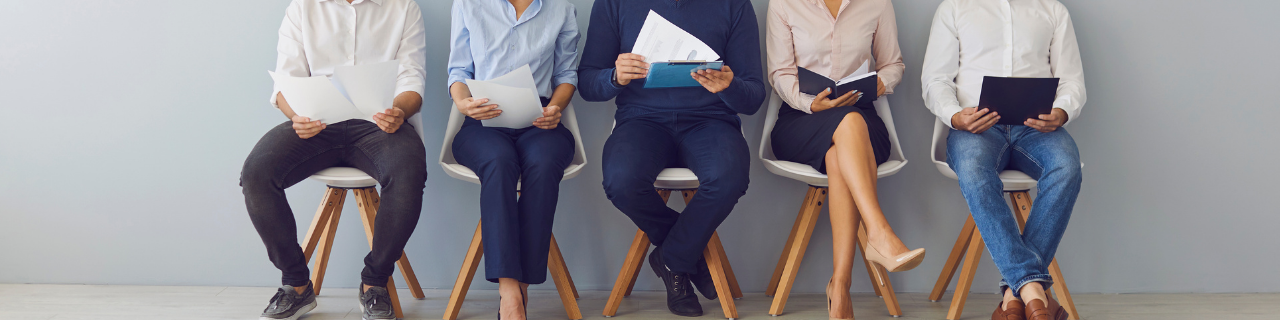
(971,39)
(315,37)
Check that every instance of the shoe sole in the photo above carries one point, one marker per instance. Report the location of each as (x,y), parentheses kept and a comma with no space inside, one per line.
(296,314)
(362,317)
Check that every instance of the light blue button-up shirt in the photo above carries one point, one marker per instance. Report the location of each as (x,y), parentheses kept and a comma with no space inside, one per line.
(487,41)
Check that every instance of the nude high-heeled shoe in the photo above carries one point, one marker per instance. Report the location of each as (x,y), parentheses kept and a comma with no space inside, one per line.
(903,262)
(829,317)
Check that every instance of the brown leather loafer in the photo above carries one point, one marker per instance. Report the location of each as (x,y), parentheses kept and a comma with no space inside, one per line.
(1036,310)
(1014,312)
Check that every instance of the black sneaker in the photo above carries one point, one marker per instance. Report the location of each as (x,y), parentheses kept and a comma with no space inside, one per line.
(680,298)
(287,304)
(375,303)
(703,282)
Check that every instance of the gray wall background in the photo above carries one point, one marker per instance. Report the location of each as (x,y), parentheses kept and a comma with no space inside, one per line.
(126,123)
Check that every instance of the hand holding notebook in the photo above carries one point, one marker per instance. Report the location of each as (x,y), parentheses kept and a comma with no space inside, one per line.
(860,80)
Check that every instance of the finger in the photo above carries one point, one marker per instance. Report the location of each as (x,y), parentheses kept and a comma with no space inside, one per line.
(487,115)
(478,102)
(632,63)
(823,95)
(395,112)
(631,56)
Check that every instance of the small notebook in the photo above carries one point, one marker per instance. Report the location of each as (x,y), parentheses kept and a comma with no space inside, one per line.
(1018,99)
(866,82)
(676,74)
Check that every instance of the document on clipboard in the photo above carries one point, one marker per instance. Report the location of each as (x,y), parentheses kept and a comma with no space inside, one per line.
(672,53)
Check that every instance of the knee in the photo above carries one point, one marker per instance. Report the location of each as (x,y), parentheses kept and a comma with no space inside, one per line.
(731,182)
(543,169)
(853,123)
(625,184)
(256,175)
(413,174)
(1066,168)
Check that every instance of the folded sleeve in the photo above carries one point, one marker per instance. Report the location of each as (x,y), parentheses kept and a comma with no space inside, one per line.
(567,50)
(461,65)
(941,65)
(412,53)
(1064,61)
(782,59)
(291,58)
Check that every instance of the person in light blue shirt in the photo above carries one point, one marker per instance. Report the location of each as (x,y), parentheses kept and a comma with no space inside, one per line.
(488,39)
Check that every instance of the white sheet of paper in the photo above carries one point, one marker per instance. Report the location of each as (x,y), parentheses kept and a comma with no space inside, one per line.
(353,92)
(316,98)
(515,93)
(862,72)
(661,40)
(371,87)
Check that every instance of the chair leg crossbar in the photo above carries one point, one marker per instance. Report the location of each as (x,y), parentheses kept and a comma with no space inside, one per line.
(970,245)
(721,272)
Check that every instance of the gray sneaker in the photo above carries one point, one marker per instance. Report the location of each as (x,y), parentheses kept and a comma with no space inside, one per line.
(287,304)
(375,303)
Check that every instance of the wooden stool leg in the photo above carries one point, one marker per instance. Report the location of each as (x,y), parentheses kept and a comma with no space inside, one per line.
(716,265)
(971,259)
(326,234)
(880,277)
(807,219)
(332,198)
(368,201)
(627,276)
(1022,211)
(564,284)
(666,195)
(953,260)
(772,289)
(406,270)
(463,283)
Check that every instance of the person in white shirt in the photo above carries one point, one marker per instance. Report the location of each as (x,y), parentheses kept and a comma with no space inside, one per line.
(315,37)
(971,39)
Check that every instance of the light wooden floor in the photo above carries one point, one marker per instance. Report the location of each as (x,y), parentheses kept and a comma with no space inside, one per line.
(44,302)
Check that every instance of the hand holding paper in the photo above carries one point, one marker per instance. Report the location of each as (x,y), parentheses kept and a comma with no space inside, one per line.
(353,92)
(515,94)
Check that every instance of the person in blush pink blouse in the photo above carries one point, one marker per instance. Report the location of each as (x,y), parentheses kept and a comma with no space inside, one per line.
(840,136)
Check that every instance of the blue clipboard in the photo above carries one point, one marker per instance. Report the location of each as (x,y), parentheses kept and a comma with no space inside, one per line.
(675,74)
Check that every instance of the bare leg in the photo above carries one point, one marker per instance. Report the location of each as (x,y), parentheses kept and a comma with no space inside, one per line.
(1008,297)
(1033,291)
(844,229)
(512,305)
(856,158)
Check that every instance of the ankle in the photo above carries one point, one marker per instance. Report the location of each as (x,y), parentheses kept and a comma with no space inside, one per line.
(302,289)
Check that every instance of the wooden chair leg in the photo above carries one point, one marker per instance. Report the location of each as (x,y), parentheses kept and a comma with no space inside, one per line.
(325,240)
(332,199)
(879,277)
(807,219)
(716,265)
(1022,211)
(772,289)
(564,284)
(367,200)
(627,276)
(972,256)
(953,261)
(463,283)
(666,195)
(406,270)
(728,268)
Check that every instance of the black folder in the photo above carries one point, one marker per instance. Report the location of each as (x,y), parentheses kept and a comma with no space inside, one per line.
(1018,99)
(813,83)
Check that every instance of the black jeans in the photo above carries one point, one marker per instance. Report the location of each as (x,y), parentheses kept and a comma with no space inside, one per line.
(282,159)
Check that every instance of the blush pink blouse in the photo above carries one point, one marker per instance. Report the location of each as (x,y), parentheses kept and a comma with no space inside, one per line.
(803,33)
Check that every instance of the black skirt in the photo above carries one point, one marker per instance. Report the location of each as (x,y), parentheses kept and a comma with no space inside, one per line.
(806,138)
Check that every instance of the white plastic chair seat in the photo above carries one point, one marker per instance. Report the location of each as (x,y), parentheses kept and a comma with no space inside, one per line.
(676,179)
(808,174)
(458,171)
(346,177)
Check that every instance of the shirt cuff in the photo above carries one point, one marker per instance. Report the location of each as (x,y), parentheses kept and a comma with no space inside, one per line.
(571,78)
(947,112)
(275,93)
(1072,112)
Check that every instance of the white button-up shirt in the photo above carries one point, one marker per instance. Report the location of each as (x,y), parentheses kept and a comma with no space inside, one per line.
(318,35)
(1003,38)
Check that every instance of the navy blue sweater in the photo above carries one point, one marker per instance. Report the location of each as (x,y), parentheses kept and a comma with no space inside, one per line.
(728,26)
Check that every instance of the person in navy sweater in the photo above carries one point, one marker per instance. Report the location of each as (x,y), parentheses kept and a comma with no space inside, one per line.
(692,127)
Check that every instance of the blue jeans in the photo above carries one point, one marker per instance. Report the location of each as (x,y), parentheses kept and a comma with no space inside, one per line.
(1053,160)
(710,145)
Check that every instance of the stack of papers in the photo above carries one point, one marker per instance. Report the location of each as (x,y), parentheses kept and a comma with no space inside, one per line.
(353,92)
(672,53)
(515,93)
